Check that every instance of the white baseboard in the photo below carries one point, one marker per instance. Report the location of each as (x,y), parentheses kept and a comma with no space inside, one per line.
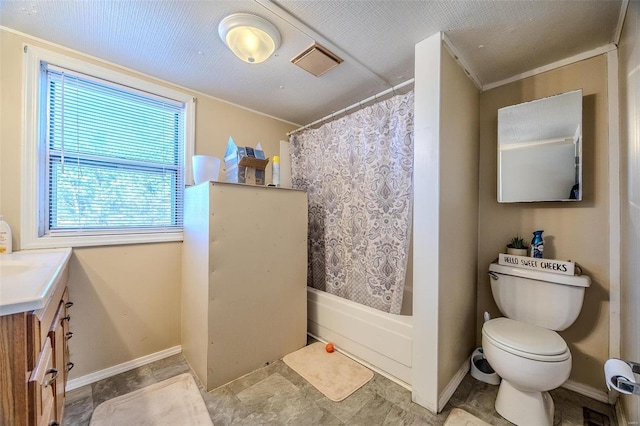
(121,368)
(585,390)
(453,384)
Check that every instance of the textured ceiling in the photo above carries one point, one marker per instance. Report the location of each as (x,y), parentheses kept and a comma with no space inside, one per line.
(178,41)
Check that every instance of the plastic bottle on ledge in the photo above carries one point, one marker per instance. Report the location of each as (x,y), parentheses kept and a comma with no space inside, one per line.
(537,245)
(5,237)
(275,171)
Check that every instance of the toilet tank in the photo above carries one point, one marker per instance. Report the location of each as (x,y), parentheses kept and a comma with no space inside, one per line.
(544,299)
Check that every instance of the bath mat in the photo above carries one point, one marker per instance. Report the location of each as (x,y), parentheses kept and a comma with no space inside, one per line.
(458,417)
(175,401)
(333,374)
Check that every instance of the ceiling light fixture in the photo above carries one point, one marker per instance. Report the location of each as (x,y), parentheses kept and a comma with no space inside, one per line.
(251,38)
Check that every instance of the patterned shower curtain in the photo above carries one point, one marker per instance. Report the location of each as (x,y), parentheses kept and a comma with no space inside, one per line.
(358,173)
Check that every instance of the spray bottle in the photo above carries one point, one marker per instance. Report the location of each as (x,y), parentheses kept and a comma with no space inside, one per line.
(537,245)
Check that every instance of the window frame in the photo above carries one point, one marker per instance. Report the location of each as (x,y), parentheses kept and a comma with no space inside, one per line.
(34,183)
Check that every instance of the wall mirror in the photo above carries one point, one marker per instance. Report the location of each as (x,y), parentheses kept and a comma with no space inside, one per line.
(540,150)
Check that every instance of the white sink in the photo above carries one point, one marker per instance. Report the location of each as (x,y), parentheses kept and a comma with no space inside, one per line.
(27,278)
(9,268)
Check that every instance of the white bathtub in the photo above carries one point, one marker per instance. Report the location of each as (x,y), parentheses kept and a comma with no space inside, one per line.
(379,339)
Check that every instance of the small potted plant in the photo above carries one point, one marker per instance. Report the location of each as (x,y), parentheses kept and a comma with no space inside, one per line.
(517,246)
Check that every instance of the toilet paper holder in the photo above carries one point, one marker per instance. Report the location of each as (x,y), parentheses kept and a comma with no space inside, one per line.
(621,382)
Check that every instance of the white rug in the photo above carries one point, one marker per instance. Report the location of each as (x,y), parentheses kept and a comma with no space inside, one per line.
(333,374)
(458,417)
(175,401)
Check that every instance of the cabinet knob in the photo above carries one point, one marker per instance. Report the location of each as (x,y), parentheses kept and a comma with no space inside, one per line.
(54,376)
(70,366)
(68,304)
(69,335)
(54,423)
(67,318)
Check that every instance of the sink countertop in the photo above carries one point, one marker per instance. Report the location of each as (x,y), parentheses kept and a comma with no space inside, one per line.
(27,278)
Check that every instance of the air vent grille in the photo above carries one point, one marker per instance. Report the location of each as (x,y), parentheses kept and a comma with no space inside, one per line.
(317,60)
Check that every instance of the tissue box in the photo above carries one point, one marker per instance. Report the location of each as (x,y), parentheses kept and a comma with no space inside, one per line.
(244,164)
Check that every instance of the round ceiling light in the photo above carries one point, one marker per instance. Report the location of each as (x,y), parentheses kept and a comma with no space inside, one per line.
(251,38)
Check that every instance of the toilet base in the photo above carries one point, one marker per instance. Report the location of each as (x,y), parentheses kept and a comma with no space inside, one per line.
(524,408)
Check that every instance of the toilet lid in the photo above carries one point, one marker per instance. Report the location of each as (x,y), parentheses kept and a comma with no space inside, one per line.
(526,339)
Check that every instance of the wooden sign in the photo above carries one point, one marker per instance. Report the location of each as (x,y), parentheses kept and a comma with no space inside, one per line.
(544,265)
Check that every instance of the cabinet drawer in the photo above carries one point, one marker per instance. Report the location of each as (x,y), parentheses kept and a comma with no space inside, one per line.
(41,387)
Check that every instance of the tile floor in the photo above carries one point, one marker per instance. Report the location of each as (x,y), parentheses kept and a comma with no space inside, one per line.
(276,395)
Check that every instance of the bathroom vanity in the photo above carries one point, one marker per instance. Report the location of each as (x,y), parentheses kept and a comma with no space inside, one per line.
(34,330)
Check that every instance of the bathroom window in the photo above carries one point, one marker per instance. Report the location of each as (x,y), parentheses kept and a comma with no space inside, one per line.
(106,153)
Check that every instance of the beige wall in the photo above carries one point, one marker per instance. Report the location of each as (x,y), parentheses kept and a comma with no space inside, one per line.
(577,231)
(127,298)
(459,126)
(629,78)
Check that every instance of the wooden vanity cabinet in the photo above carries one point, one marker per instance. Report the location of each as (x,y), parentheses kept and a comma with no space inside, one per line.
(34,362)
(14,372)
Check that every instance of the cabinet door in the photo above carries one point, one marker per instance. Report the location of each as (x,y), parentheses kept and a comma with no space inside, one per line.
(66,318)
(41,387)
(59,336)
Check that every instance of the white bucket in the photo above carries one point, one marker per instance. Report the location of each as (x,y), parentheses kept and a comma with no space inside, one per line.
(205,168)
(481,370)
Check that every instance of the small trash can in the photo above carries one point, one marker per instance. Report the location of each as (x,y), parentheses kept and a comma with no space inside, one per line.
(481,370)
(205,168)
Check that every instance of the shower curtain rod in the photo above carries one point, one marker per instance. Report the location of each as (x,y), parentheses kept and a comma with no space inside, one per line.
(370,98)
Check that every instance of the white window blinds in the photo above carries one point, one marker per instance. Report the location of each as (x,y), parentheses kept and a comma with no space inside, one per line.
(114,157)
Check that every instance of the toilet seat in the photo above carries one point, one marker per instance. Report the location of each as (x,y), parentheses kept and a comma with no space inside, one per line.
(526,340)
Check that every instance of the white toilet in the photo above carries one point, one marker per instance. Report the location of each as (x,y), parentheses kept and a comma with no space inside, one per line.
(523,348)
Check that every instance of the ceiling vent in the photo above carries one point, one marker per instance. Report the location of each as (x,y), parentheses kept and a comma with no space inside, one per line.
(317,60)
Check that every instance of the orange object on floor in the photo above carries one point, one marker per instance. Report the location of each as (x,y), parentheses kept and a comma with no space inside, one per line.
(330,347)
